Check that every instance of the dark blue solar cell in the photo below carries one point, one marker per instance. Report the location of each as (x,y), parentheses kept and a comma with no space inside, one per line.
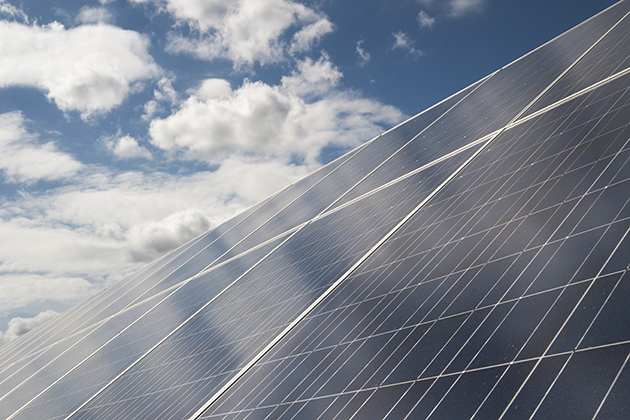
(554,319)
(533,391)
(503,392)
(467,394)
(615,406)
(612,324)
(505,343)
(569,398)
(432,397)
(455,344)
(583,314)
(381,402)
(419,357)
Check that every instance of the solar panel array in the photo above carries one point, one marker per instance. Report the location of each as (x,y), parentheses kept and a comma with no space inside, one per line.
(469,263)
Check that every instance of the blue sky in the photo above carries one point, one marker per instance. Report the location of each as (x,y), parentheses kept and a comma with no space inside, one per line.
(128,127)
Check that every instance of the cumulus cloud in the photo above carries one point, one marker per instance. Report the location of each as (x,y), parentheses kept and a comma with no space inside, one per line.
(244,31)
(403,42)
(312,77)
(212,88)
(19,326)
(425,20)
(24,159)
(88,68)
(364,57)
(158,237)
(298,117)
(127,147)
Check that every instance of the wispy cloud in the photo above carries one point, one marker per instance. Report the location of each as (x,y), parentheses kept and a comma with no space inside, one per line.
(403,42)
(363,56)
(89,15)
(424,20)
(459,8)
(12,12)
(24,159)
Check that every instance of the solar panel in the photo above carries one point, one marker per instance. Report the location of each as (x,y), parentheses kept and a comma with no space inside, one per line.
(469,263)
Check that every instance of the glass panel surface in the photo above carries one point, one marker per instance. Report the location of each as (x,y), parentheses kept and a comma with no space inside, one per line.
(116,345)
(608,57)
(488,273)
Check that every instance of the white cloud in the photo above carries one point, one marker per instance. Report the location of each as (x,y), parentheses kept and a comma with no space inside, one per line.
(307,37)
(12,11)
(18,290)
(104,224)
(155,238)
(364,57)
(245,31)
(151,108)
(19,326)
(67,243)
(403,42)
(165,93)
(298,117)
(312,77)
(24,159)
(94,15)
(459,8)
(127,147)
(88,68)
(425,20)
(213,88)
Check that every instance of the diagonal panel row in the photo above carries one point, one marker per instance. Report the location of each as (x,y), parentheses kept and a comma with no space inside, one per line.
(496,299)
